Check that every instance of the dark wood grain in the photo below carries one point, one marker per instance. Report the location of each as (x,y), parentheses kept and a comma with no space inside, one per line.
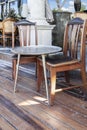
(28,109)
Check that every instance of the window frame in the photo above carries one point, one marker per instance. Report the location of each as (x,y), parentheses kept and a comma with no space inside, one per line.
(5,8)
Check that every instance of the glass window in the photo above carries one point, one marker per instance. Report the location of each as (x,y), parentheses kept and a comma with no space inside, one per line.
(2,10)
(6,5)
(14,5)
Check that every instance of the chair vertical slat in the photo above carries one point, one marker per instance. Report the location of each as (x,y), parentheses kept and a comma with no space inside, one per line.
(21,37)
(36,39)
(12,35)
(83,43)
(77,42)
(69,38)
(65,46)
(28,35)
(73,40)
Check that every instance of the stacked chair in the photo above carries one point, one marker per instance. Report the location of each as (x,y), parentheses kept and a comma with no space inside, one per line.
(7,31)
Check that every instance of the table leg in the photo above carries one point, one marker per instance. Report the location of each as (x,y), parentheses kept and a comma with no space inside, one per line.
(16,77)
(45,76)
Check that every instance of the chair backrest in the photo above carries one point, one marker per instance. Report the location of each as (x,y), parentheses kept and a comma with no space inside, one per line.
(27,32)
(75,39)
(7,25)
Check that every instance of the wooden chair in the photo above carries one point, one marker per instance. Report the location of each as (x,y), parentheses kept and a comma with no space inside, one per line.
(7,30)
(73,57)
(25,29)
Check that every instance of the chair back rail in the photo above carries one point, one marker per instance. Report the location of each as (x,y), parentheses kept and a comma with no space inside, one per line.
(27,31)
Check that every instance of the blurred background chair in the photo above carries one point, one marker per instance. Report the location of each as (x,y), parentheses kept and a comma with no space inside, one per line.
(25,31)
(73,57)
(7,31)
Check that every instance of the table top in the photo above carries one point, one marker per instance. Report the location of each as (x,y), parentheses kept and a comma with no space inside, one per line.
(36,50)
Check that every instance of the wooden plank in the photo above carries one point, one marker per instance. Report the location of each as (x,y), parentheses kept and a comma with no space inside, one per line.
(18,121)
(68,113)
(4,124)
(37,111)
(41,115)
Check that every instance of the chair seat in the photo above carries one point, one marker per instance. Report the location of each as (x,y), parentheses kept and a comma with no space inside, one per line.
(56,59)
(59,58)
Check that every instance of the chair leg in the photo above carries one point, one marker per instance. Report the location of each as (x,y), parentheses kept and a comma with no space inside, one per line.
(67,76)
(36,69)
(83,74)
(39,75)
(53,86)
(14,62)
(3,41)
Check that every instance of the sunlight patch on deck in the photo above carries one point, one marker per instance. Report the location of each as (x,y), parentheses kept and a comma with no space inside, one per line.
(28,103)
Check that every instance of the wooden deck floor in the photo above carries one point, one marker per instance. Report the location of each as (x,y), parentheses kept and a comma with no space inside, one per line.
(28,110)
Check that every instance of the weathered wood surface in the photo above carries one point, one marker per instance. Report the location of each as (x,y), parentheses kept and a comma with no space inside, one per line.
(28,110)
